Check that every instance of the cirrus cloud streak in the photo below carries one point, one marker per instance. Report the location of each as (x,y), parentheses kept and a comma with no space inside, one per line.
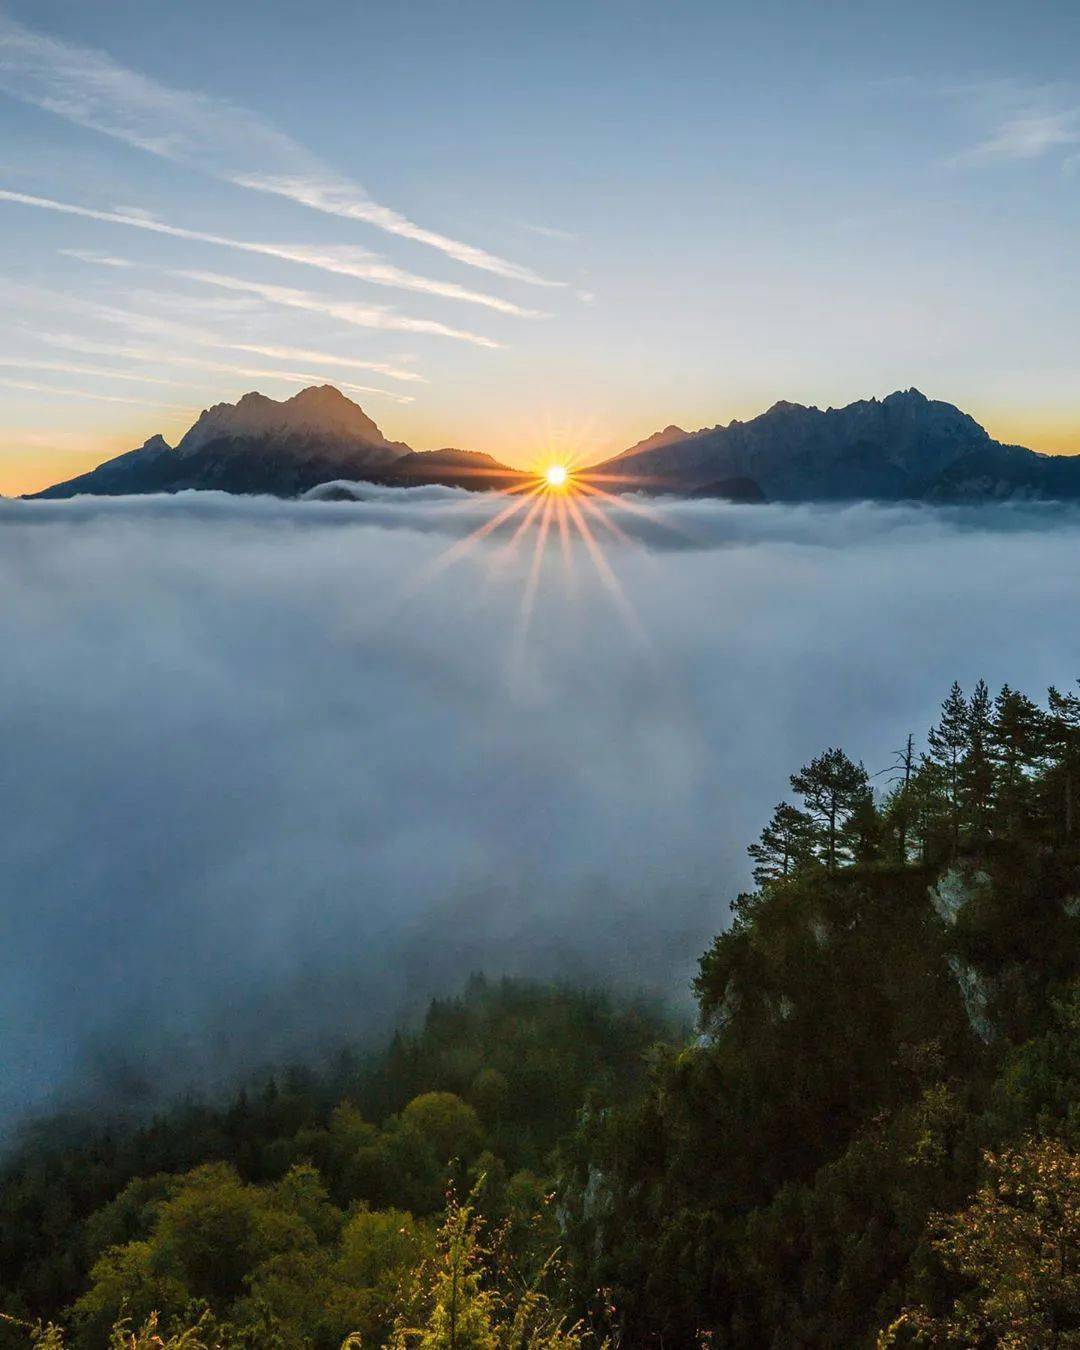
(209,134)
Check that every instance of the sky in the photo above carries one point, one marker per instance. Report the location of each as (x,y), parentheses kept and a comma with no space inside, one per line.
(511,227)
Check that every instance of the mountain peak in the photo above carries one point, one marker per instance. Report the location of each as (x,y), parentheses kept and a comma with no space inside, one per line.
(658,440)
(900,446)
(322,395)
(889,448)
(319,410)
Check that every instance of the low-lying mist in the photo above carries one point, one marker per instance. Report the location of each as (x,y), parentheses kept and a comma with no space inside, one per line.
(272,776)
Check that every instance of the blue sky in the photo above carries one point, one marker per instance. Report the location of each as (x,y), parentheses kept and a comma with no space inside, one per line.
(510,225)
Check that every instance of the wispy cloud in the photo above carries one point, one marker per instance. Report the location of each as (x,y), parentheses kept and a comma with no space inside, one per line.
(33,388)
(361,316)
(196,362)
(548,231)
(70,368)
(1028,135)
(343,260)
(148,324)
(92,256)
(1013,121)
(341,198)
(289,376)
(209,134)
(156,327)
(323,358)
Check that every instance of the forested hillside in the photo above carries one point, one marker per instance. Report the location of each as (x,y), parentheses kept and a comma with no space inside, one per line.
(890,1033)
(872,1138)
(298,1211)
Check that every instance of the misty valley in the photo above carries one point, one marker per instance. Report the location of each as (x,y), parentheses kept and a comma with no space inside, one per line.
(384,953)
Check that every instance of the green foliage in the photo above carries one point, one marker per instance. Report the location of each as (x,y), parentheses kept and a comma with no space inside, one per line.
(872,1139)
(832,787)
(786,844)
(205,1242)
(1017,1248)
(894,999)
(297,1211)
(395,1282)
(457,1302)
(202,1334)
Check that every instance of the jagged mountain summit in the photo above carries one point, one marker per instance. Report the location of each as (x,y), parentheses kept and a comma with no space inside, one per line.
(903,447)
(257,445)
(283,449)
(319,411)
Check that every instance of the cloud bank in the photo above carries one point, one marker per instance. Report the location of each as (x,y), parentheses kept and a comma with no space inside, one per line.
(263,792)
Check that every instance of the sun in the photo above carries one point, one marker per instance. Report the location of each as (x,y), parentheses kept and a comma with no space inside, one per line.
(558,503)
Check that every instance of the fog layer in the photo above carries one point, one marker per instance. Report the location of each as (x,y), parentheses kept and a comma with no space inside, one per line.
(274,773)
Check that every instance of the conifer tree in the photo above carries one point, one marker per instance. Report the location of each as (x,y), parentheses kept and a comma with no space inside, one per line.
(929,814)
(1062,729)
(862,832)
(976,768)
(786,844)
(1016,739)
(948,743)
(831,786)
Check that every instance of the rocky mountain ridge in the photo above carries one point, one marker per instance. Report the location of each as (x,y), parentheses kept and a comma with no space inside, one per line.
(904,447)
(256,445)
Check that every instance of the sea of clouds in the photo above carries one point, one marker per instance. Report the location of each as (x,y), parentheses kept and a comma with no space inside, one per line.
(274,773)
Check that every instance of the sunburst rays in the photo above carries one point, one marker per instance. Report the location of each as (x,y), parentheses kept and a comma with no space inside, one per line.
(552,515)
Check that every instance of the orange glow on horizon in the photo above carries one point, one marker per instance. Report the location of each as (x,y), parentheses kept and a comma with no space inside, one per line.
(32,458)
(33,470)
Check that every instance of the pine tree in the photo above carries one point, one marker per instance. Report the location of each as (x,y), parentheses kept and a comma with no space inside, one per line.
(929,812)
(831,786)
(976,767)
(1016,741)
(862,831)
(948,743)
(1062,728)
(786,844)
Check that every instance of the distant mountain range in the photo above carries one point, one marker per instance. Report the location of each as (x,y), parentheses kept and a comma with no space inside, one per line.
(903,447)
